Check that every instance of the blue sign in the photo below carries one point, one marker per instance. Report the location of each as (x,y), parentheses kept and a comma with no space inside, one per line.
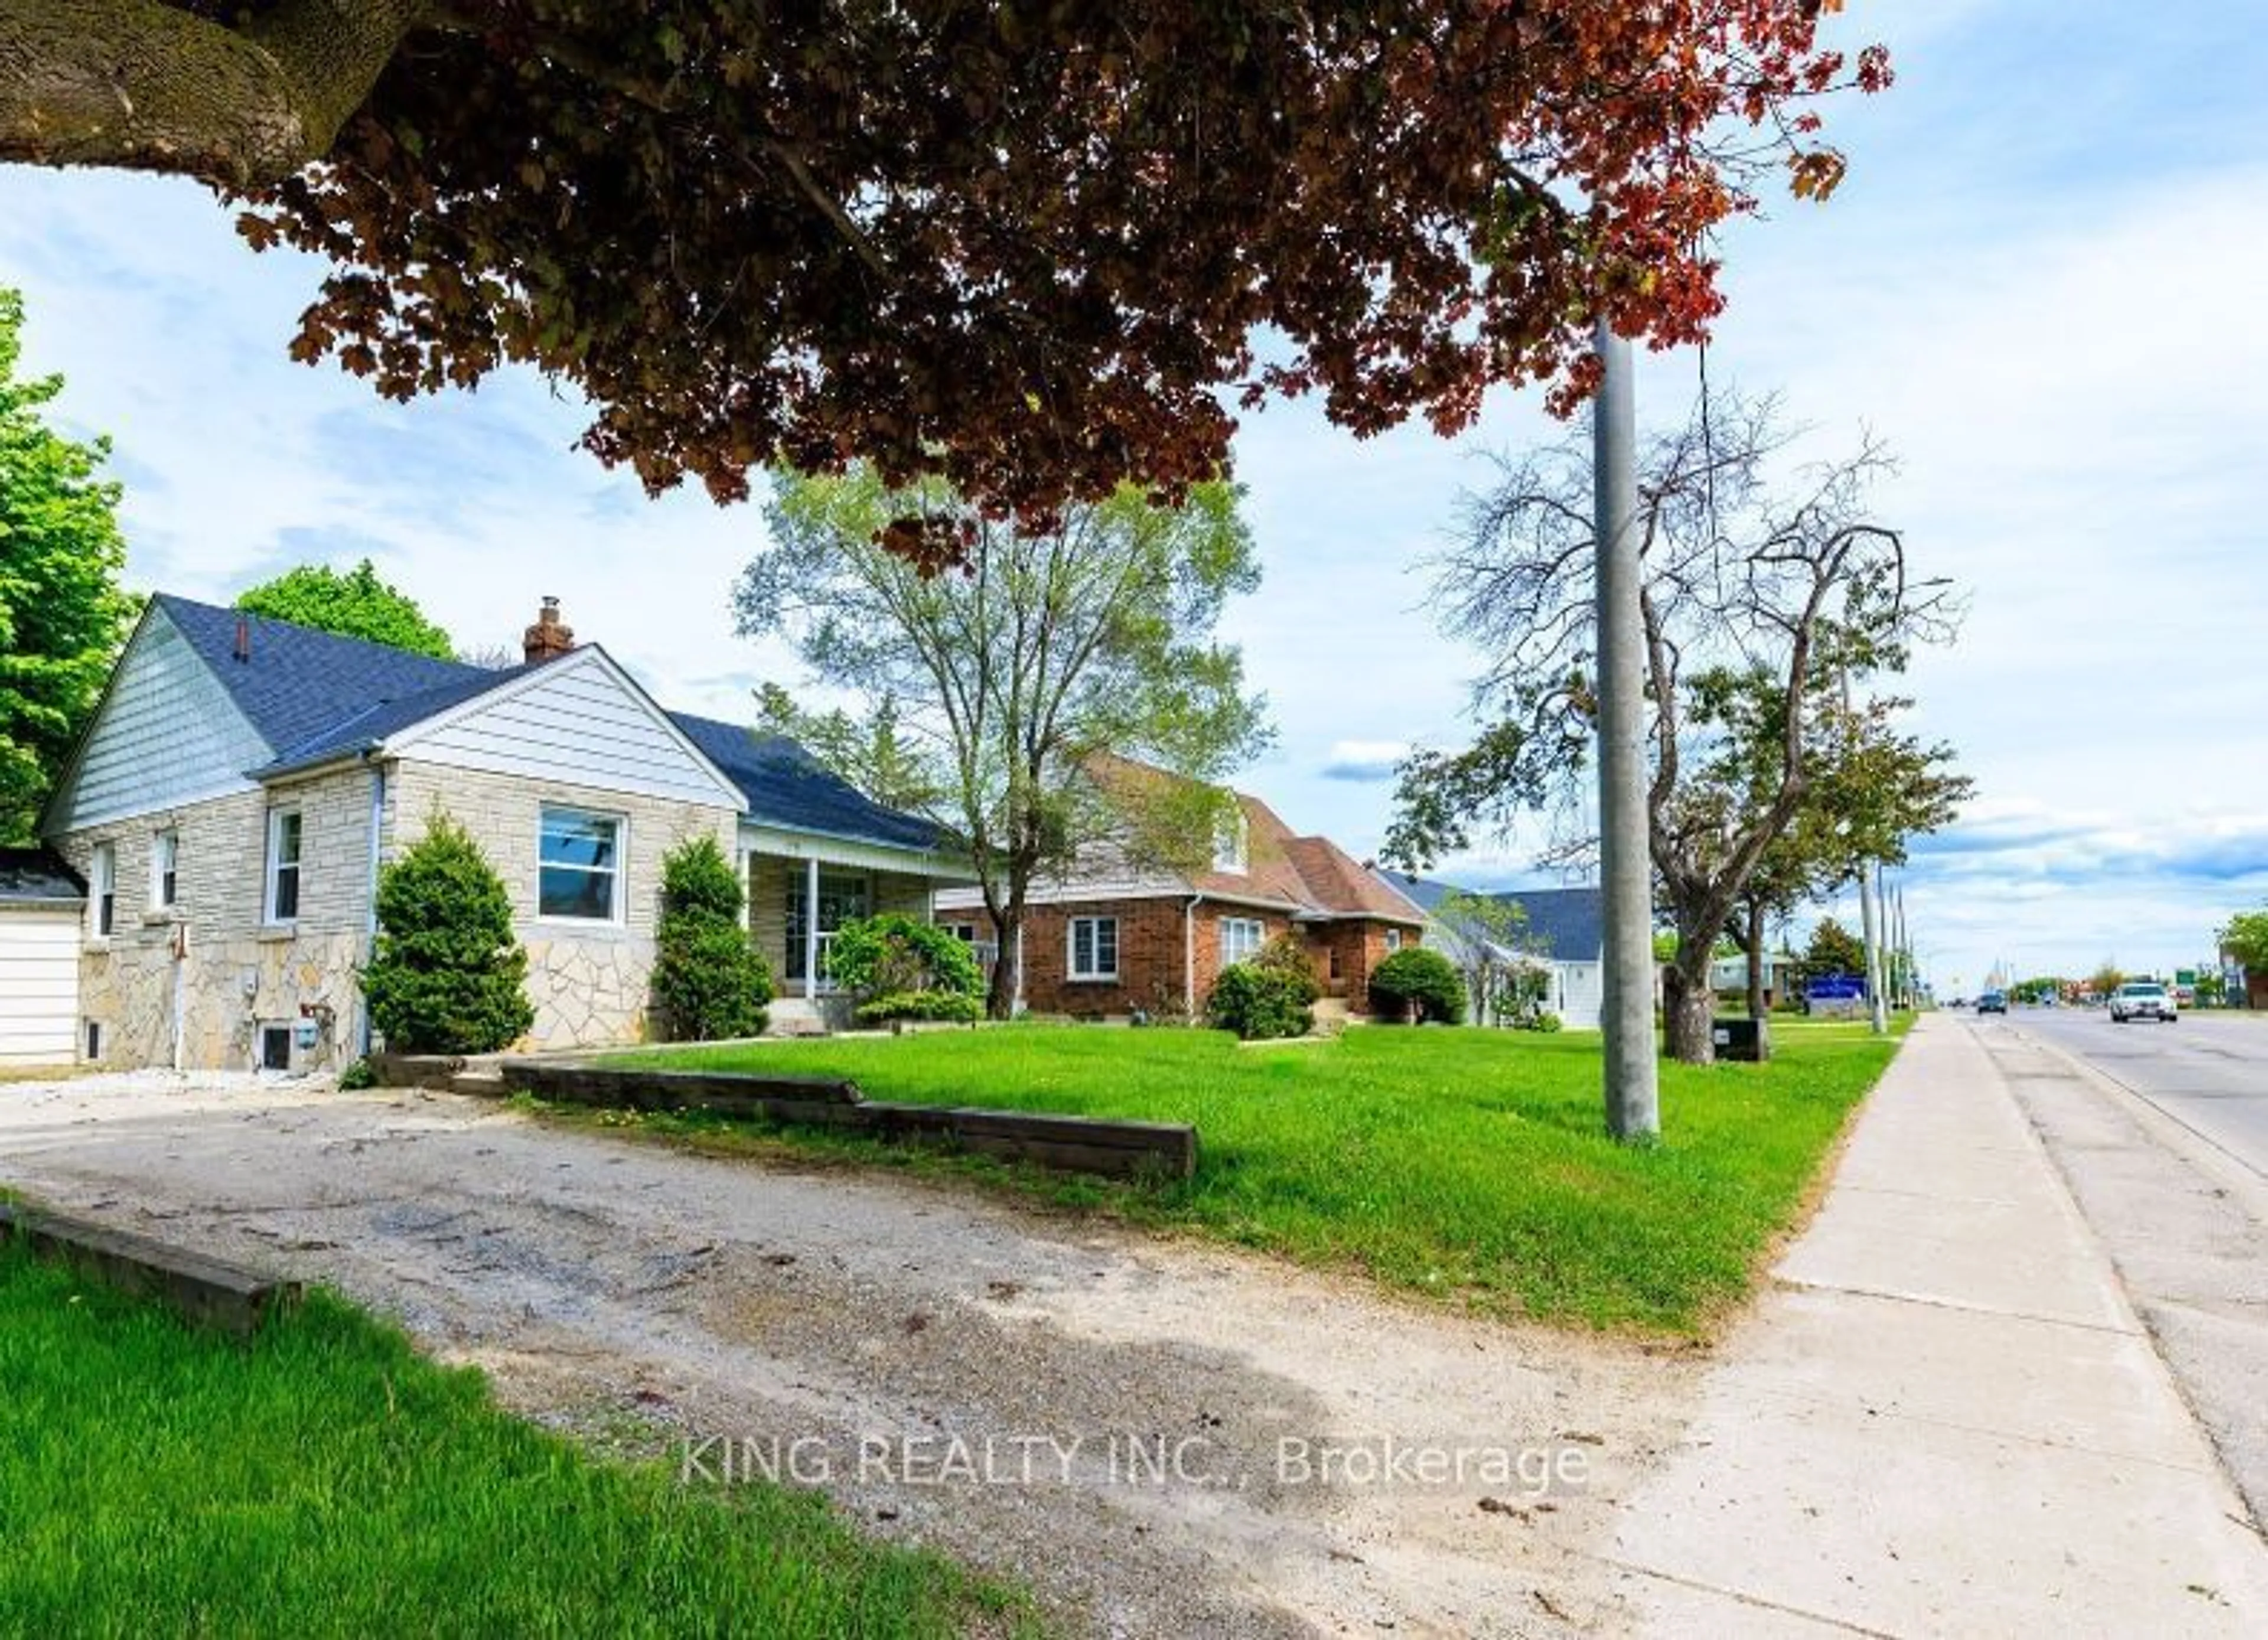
(1837,988)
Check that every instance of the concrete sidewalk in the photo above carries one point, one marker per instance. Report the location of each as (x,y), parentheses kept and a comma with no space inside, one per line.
(1947,1419)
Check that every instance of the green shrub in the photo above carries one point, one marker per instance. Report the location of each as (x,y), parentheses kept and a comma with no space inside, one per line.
(356,1075)
(1544,1020)
(900,967)
(1270,996)
(1418,975)
(709,981)
(895,1006)
(446,976)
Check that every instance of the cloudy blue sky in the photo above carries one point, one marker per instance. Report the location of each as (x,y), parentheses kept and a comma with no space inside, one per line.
(2043,285)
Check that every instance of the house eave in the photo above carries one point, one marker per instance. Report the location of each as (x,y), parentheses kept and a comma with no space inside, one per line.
(809,843)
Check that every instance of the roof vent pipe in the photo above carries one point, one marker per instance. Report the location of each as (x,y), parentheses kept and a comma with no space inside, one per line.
(243,639)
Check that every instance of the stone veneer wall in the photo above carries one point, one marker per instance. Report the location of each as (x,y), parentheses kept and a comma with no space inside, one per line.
(238,971)
(588,982)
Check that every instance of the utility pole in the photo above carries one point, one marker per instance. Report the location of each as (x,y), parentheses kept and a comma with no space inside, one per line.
(1869,919)
(1625,852)
(1875,1011)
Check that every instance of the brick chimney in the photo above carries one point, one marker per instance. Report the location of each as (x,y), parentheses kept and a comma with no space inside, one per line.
(549,636)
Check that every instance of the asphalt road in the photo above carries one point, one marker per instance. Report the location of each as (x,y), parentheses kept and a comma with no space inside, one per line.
(2209,1072)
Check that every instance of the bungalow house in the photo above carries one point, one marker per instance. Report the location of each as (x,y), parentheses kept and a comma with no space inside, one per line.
(1113,935)
(243,779)
(1566,932)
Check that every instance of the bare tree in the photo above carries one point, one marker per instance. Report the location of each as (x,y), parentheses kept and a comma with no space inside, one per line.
(1749,576)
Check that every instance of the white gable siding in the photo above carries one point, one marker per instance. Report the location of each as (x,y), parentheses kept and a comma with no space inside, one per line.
(38,986)
(167,734)
(574,721)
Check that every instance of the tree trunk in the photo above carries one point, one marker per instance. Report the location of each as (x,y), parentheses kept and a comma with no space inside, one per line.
(147,86)
(1000,992)
(1688,1005)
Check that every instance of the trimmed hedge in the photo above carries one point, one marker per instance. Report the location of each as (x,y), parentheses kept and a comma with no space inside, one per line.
(900,967)
(1270,996)
(897,1006)
(446,976)
(709,981)
(1420,975)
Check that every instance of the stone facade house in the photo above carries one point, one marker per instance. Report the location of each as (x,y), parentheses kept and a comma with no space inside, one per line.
(244,779)
(1116,936)
(1565,934)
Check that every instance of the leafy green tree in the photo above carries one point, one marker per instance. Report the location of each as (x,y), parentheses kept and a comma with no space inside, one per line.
(356,605)
(1420,977)
(62,614)
(871,750)
(2108,976)
(1000,686)
(1833,949)
(710,982)
(2246,939)
(1744,572)
(1870,790)
(447,974)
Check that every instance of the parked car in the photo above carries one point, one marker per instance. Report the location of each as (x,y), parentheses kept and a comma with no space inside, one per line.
(2141,999)
(1992,1002)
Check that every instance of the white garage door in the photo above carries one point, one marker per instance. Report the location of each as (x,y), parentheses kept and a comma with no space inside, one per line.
(39,986)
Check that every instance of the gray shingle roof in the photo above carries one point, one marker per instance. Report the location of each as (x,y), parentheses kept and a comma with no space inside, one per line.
(301,686)
(785,787)
(315,696)
(1568,924)
(37,876)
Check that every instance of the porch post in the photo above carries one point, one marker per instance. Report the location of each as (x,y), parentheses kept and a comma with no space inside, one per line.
(747,892)
(811,929)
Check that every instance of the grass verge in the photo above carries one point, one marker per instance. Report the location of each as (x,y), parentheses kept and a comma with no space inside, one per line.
(1469,1164)
(327,1480)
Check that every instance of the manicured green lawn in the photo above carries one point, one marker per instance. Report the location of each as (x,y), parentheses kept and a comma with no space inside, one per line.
(1472,1164)
(327,1480)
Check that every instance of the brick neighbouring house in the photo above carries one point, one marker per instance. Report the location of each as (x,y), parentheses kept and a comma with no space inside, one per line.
(1112,937)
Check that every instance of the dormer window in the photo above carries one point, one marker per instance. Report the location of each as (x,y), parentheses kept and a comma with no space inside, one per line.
(1232,845)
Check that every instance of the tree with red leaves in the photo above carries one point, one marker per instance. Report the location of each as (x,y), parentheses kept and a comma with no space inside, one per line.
(1024,246)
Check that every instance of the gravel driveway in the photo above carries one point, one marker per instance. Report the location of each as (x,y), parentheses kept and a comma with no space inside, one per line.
(1139,1427)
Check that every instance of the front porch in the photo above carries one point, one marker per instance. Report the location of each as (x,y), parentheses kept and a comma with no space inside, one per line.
(802,889)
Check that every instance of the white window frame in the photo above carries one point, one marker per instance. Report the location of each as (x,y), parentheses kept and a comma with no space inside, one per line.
(164,862)
(617,899)
(1393,940)
(1242,930)
(102,891)
(1094,969)
(272,876)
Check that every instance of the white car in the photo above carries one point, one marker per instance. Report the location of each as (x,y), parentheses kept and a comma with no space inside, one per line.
(2141,1000)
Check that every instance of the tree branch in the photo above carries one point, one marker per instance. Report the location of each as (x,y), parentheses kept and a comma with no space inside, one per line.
(145,86)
